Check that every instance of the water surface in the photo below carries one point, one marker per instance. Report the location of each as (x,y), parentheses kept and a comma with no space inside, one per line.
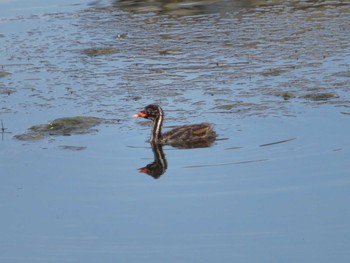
(272,76)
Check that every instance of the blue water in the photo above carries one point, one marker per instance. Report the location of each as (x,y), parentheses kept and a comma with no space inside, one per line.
(273,188)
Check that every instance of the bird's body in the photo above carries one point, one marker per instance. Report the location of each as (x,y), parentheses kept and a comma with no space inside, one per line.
(186,136)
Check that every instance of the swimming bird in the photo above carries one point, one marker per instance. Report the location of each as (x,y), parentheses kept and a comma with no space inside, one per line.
(186,136)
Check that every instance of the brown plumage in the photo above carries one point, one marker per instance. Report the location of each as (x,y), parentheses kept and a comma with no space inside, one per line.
(187,136)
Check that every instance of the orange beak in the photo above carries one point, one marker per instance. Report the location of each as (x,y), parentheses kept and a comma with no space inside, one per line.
(140,114)
(144,170)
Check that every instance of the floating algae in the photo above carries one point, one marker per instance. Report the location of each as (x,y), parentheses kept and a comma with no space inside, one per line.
(100,51)
(286,95)
(72,148)
(61,127)
(320,96)
(4,74)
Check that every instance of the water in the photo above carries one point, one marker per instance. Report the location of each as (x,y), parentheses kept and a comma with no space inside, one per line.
(273,77)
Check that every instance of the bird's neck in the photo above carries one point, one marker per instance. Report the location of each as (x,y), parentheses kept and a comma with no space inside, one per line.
(157,128)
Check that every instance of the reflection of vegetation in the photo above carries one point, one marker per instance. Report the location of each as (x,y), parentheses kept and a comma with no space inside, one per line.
(63,126)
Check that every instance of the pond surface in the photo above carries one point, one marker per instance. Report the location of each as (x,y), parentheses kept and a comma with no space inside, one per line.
(274,78)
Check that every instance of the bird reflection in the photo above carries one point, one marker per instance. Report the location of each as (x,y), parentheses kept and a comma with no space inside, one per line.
(159,165)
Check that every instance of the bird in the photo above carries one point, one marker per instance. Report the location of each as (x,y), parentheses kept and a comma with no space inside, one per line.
(186,136)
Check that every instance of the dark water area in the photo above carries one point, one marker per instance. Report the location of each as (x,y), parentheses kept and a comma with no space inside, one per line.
(272,76)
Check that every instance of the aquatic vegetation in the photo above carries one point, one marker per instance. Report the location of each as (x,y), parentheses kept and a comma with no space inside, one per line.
(344,74)
(100,51)
(72,148)
(227,106)
(4,74)
(6,91)
(61,127)
(286,95)
(273,72)
(320,96)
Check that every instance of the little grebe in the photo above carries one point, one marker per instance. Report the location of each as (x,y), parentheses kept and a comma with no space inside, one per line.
(187,136)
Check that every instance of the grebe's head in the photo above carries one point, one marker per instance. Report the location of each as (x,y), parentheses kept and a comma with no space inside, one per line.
(150,112)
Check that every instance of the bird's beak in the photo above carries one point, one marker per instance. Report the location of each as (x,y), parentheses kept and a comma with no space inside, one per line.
(140,114)
(144,170)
